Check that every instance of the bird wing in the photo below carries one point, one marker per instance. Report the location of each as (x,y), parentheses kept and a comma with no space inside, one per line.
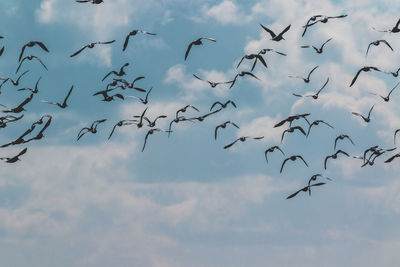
(126,42)
(215,131)
(197,77)
(285,30)
(355,77)
(295,193)
(261,60)
(215,103)
(342,152)
(251,74)
(366,53)
(231,144)
(108,74)
(325,43)
(19,66)
(41,62)
(393,89)
(2,51)
(188,50)
(80,134)
(49,102)
(208,38)
(326,159)
(386,42)
(80,50)
(305,46)
(145,139)
(23,151)
(108,42)
(22,52)
(369,113)
(273,35)
(240,61)
(303,160)
(309,74)
(26,101)
(392,158)
(283,164)
(69,93)
(42,46)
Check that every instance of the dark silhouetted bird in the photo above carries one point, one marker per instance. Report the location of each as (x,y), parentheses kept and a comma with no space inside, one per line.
(293,158)
(316,95)
(15,158)
(334,156)
(341,137)
(223,126)
(212,84)
(270,150)
(316,123)
(307,79)
(133,33)
(31,44)
(91,45)
(63,104)
(31,57)
(395,29)
(387,98)
(92,129)
(318,50)
(197,42)
(20,107)
(120,124)
(292,118)
(304,189)
(366,119)
(376,43)
(242,139)
(150,132)
(364,69)
(243,73)
(119,73)
(222,105)
(275,37)
(291,130)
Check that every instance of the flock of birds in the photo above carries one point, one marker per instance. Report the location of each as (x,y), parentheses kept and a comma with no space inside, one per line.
(115,82)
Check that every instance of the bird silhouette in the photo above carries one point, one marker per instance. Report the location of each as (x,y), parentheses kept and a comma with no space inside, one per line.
(251,57)
(184,109)
(387,98)
(376,43)
(275,37)
(395,133)
(392,158)
(90,1)
(291,130)
(292,158)
(243,73)
(145,100)
(16,82)
(317,122)
(152,124)
(91,129)
(119,73)
(30,57)
(91,45)
(212,84)
(307,79)
(292,118)
(150,132)
(15,158)
(366,119)
(242,139)
(222,105)
(20,107)
(363,69)
(120,124)
(197,42)
(272,149)
(395,29)
(316,95)
(334,156)
(319,18)
(223,126)
(34,91)
(318,50)
(31,44)
(304,189)
(133,33)
(64,103)
(342,137)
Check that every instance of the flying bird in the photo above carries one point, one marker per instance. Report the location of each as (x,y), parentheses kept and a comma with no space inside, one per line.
(91,45)
(31,57)
(145,100)
(366,119)
(120,124)
(150,132)
(152,124)
(16,82)
(364,69)
(133,33)
(292,118)
(63,104)
(387,98)
(9,118)
(243,73)
(318,50)
(242,139)
(184,109)
(131,85)
(316,95)
(31,44)
(107,97)
(392,158)
(272,149)
(275,37)
(251,57)
(20,107)
(90,1)
(212,84)
(395,29)
(92,129)
(376,43)
(197,42)
(342,137)
(34,91)
(119,73)
(223,105)
(223,126)
(40,135)
(293,158)
(317,122)
(319,18)
(291,130)
(304,189)
(307,79)
(265,50)
(15,158)
(314,178)
(334,156)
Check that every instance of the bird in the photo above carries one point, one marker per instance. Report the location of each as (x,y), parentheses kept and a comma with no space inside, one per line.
(30,57)
(40,135)
(20,107)
(392,158)
(342,137)
(63,104)
(316,95)
(334,156)
(317,122)
(395,132)
(31,44)
(90,1)
(291,130)
(304,189)
(272,149)
(91,45)
(34,91)
(321,18)
(131,85)
(395,29)
(16,82)
(364,69)
(202,117)
(107,97)
(184,109)
(376,43)
(133,33)
(120,73)
(243,73)
(318,50)
(140,123)
(120,124)
(145,100)
(307,79)
(197,42)
(275,37)
(366,119)
(150,132)
(314,178)
(223,105)
(387,98)
(242,139)
(396,73)
(255,57)
(152,124)
(212,84)
(15,158)
(92,129)
(293,158)
(176,120)
(292,118)
(9,118)
(265,50)
(223,126)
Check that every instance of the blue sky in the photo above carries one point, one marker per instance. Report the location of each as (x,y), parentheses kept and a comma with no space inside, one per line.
(185,201)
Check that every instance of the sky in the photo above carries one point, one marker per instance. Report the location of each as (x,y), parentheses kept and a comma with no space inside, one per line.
(185,200)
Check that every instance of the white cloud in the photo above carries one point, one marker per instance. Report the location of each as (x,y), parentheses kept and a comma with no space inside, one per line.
(227,12)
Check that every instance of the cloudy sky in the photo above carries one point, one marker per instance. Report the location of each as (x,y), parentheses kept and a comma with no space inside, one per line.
(186,201)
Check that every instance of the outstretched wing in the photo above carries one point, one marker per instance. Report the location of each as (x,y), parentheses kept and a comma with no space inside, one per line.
(77,52)
(188,50)
(126,42)
(273,35)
